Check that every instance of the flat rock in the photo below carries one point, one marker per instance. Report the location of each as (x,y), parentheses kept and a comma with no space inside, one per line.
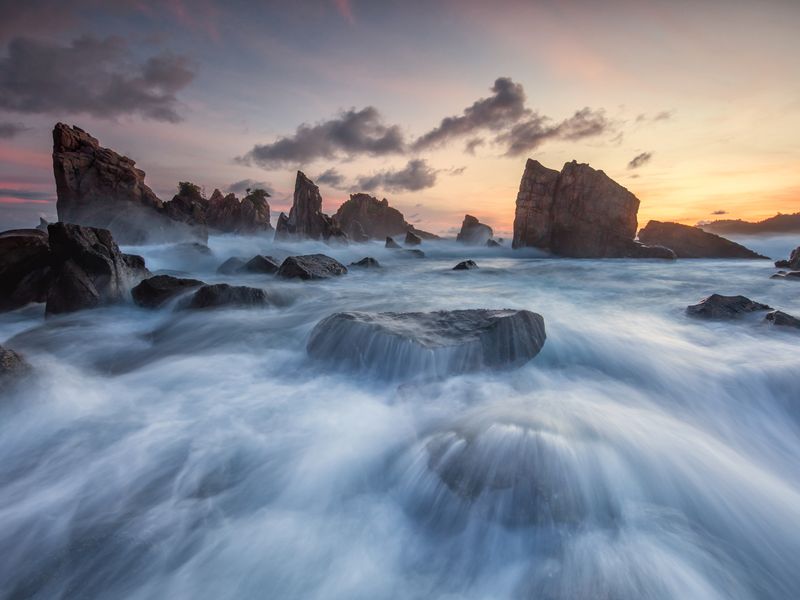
(465,265)
(692,242)
(231,266)
(367,262)
(434,344)
(155,291)
(261,264)
(782,319)
(717,306)
(222,294)
(311,266)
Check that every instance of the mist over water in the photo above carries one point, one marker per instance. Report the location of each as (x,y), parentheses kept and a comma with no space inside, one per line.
(203,454)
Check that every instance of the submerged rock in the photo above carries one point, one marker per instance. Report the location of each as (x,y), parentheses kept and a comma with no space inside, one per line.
(691,242)
(367,262)
(792,263)
(390,243)
(717,306)
(231,266)
(412,239)
(222,294)
(261,264)
(474,233)
(493,244)
(311,266)
(781,319)
(12,366)
(155,291)
(434,344)
(465,265)
(412,253)
(24,267)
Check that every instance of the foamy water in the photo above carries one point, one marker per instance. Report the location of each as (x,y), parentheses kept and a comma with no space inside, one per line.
(641,454)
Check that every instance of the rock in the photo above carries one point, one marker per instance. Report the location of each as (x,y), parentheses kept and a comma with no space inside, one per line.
(12,366)
(188,205)
(100,188)
(465,265)
(579,212)
(311,266)
(782,319)
(792,275)
(231,266)
(793,263)
(639,250)
(261,264)
(390,243)
(42,226)
(222,294)
(135,263)
(24,267)
(493,244)
(474,233)
(691,242)
(423,235)
(306,219)
(230,215)
(412,239)
(412,253)
(423,345)
(367,262)
(717,306)
(364,217)
(155,291)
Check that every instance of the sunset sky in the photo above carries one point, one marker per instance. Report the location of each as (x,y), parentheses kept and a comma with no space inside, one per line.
(693,106)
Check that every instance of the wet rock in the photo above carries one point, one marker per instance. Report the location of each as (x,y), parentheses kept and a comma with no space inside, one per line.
(12,366)
(717,306)
(474,233)
(434,344)
(222,294)
(493,244)
(367,262)
(261,264)
(311,266)
(155,291)
(390,243)
(231,266)
(24,267)
(412,239)
(135,263)
(791,275)
(792,263)
(306,219)
(691,242)
(465,265)
(781,319)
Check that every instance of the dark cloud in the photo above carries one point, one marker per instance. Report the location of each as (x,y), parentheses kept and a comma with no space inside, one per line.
(240,187)
(537,129)
(332,178)
(504,107)
(470,146)
(416,175)
(640,160)
(99,77)
(353,132)
(720,212)
(10,130)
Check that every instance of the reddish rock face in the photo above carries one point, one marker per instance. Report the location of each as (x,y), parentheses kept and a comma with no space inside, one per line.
(691,242)
(306,219)
(364,217)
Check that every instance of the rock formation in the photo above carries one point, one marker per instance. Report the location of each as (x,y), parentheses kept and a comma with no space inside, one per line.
(231,215)
(155,291)
(792,263)
(12,366)
(412,239)
(579,212)
(782,319)
(222,294)
(690,242)
(390,243)
(261,264)
(233,265)
(778,224)
(364,217)
(306,219)
(311,266)
(717,306)
(474,233)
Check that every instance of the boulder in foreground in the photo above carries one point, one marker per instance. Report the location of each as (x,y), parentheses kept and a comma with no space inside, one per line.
(424,345)
(155,291)
(311,266)
(691,242)
(717,306)
(222,294)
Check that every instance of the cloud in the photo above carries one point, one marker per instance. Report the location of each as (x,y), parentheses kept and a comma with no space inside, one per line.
(241,187)
(504,107)
(416,175)
(664,115)
(31,196)
(720,212)
(640,160)
(99,77)
(537,129)
(351,133)
(470,146)
(332,178)
(456,171)
(9,130)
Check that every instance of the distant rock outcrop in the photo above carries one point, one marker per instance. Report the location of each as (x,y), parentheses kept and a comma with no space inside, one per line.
(777,224)
(231,215)
(690,242)
(579,212)
(792,263)
(474,233)
(364,217)
(412,239)
(306,219)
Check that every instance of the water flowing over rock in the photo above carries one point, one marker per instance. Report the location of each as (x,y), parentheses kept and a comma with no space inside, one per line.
(435,344)
(792,263)
(311,266)
(474,233)
(412,239)
(155,291)
(717,306)
(691,242)
(465,265)
(24,267)
(390,243)
(782,319)
(12,366)
(222,294)
(367,263)
(579,212)
(306,219)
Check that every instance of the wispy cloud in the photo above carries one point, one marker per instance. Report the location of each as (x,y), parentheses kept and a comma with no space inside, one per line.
(640,160)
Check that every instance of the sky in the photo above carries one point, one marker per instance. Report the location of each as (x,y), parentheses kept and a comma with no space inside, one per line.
(693,106)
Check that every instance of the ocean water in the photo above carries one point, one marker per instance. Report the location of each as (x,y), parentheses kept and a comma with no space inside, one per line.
(641,454)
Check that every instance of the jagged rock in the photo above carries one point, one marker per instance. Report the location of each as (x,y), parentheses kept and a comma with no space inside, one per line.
(230,215)
(413,253)
(24,267)
(792,275)
(474,233)
(367,262)
(306,219)
(100,188)
(579,212)
(364,217)
(781,319)
(12,366)
(231,266)
(793,263)
(465,265)
(493,244)
(155,291)
(717,306)
(390,243)
(435,344)
(188,205)
(691,242)
(222,294)
(412,239)
(311,266)
(261,264)
(42,226)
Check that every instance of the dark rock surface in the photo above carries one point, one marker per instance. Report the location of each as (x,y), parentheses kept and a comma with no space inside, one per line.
(155,291)
(222,294)
(364,217)
(12,366)
(412,239)
(228,214)
(435,344)
(639,250)
(791,275)
(717,306)
(792,263)
(311,266)
(261,264)
(390,243)
(781,319)
(24,267)
(367,262)
(691,242)
(493,244)
(465,265)
(231,266)
(306,219)
(474,233)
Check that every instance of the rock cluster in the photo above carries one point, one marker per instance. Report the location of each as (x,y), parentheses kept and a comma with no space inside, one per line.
(246,216)
(306,219)
(691,242)
(474,233)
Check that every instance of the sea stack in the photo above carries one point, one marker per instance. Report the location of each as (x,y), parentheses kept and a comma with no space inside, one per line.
(306,219)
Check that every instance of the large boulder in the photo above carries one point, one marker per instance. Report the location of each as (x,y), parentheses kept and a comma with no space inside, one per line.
(434,344)
(579,212)
(311,266)
(228,214)
(222,294)
(717,306)
(792,263)
(306,219)
(473,232)
(155,291)
(24,267)
(691,242)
